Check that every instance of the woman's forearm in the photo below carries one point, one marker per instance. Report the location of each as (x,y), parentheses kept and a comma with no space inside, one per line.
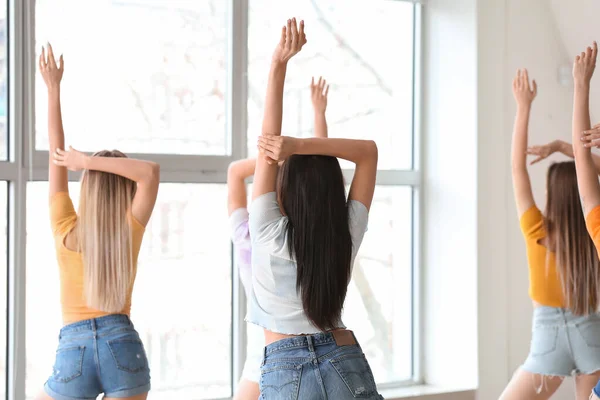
(348,149)
(320,125)
(56,134)
(519,141)
(273,115)
(139,171)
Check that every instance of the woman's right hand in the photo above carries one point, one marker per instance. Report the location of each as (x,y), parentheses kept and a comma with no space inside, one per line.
(523,92)
(584,65)
(51,72)
(291,42)
(277,148)
(543,151)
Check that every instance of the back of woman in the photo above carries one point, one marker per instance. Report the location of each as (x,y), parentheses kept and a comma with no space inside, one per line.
(99,350)
(304,239)
(564,271)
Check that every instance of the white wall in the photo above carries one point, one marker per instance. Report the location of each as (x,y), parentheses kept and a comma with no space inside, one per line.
(511,34)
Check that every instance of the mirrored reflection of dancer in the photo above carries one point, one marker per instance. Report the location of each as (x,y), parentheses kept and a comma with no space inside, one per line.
(99,350)
(563,271)
(238,220)
(584,139)
(305,235)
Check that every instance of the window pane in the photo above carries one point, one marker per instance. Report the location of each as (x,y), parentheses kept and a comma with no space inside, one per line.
(3,82)
(157,86)
(379,301)
(182,297)
(371,85)
(3,283)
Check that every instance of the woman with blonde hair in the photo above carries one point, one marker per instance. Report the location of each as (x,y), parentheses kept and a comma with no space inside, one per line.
(563,271)
(99,350)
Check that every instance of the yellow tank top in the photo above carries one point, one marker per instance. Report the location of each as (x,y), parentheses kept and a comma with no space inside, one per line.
(70,263)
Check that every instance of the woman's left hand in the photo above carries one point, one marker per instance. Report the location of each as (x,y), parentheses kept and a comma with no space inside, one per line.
(71,159)
(277,148)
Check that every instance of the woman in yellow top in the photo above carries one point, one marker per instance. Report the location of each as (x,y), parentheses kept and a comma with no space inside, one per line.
(99,350)
(563,273)
(583,140)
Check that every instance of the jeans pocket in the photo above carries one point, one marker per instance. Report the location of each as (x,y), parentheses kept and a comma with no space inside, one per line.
(356,373)
(128,354)
(68,364)
(543,340)
(590,333)
(280,381)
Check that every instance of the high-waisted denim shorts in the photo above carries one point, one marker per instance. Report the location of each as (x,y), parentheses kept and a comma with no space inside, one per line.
(102,355)
(563,344)
(317,367)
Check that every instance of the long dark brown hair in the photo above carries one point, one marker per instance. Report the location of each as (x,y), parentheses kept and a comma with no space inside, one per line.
(312,194)
(576,257)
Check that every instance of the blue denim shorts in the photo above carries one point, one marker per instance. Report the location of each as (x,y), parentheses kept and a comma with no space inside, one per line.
(563,344)
(102,355)
(316,367)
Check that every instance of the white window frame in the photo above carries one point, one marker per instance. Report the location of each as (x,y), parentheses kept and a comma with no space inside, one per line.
(26,164)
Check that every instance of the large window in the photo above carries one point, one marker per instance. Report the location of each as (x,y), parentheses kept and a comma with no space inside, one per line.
(182,83)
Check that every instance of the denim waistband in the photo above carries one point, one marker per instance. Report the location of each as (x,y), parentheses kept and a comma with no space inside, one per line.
(317,339)
(96,323)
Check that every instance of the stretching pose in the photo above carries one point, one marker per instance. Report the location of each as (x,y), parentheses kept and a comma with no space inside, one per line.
(563,272)
(305,236)
(238,221)
(583,139)
(99,350)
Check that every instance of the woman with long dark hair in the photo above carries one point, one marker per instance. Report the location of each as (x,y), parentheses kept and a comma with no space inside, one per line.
(99,350)
(305,235)
(563,271)
(238,221)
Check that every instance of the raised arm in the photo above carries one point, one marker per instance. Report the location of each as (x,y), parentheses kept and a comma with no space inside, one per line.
(146,174)
(361,152)
(52,75)
(524,96)
(565,148)
(291,42)
(587,179)
(237,172)
(318,96)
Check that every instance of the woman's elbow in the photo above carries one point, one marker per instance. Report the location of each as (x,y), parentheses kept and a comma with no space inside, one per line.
(371,151)
(153,172)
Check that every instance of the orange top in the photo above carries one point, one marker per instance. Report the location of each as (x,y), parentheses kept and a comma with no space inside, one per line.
(592,222)
(70,263)
(544,283)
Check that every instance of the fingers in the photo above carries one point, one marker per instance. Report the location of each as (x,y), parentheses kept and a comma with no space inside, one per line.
(288,35)
(61,63)
(326,91)
(594,51)
(312,84)
(295,36)
(51,59)
(537,160)
(534,88)
(301,33)
(526,79)
(283,36)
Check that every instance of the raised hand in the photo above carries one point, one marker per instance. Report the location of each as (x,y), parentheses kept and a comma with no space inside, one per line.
(318,94)
(523,92)
(543,151)
(291,42)
(591,138)
(584,65)
(51,72)
(71,159)
(277,148)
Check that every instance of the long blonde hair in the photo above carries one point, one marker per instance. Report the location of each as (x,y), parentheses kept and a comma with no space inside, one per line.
(576,256)
(104,236)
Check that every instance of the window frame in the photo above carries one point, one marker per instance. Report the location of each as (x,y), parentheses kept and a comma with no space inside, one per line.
(24,164)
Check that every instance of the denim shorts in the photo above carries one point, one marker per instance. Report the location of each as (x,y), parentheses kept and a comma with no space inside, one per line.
(563,344)
(316,367)
(102,355)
